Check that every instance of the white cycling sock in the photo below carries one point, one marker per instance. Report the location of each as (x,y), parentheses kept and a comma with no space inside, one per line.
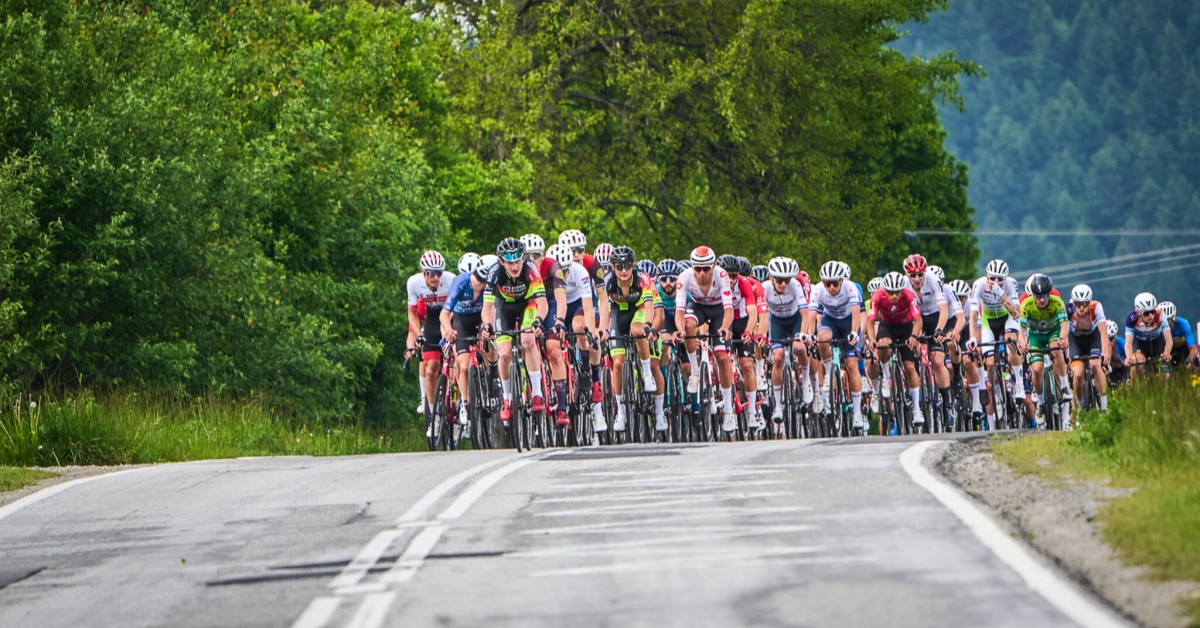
(975,403)
(727,398)
(620,399)
(535,382)
(777,393)
(1064,383)
(658,405)
(646,368)
(752,398)
(1103,402)
(856,398)
(694,360)
(507,385)
(915,395)
(421,380)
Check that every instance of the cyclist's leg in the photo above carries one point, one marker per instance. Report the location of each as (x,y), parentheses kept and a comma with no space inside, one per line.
(533,358)
(1011,329)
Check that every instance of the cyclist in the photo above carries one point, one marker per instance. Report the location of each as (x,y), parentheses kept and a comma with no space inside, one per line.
(461,318)
(574,241)
(1146,333)
(761,274)
(522,306)
(1116,353)
(468,262)
(762,328)
(955,323)
(1183,348)
(667,273)
(650,270)
(1043,323)
(994,315)
(745,321)
(631,294)
(1089,336)
(427,291)
(838,303)
(972,371)
(577,283)
(556,319)
(790,322)
(894,322)
(709,300)
(935,312)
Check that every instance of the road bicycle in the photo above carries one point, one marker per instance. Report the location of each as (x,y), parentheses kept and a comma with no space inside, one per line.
(836,421)
(1049,411)
(1000,380)
(1090,399)
(639,404)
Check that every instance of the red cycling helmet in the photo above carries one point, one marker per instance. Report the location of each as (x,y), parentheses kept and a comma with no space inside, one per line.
(915,263)
(703,256)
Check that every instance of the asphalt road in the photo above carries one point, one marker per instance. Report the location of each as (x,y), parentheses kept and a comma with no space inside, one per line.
(794,533)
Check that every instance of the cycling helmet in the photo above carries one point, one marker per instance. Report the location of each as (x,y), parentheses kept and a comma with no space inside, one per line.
(997,268)
(432,260)
(744,267)
(1029,283)
(894,281)
(960,288)
(533,243)
(938,272)
(621,255)
(486,263)
(1081,293)
(560,254)
(835,270)
(1112,326)
(468,262)
(1145,302)
(1168,309)
(669,268)
(762,273)
(875,285)
(729,263)
(1040,285)
(603,253)
(510,250)
(646,266)
(915,263)
(572,238)
(703,256)
(685,264)
(782,267)
(803,277)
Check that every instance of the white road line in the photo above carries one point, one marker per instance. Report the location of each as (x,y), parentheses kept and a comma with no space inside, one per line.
(366,558)
(51,491)
(656,493)
(674,518)
(372,611)
(417,511)
(1069,600)
(642,505)
(318,612)
(414,555)
(471,495)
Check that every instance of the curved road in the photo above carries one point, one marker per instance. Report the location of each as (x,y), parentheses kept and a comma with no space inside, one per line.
(792,533)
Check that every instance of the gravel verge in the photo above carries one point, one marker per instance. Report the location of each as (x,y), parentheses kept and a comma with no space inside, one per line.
(1059,521)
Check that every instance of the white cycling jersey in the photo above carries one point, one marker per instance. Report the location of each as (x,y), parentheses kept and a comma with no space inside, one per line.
(989,297)
(576,280)
(931,295)
(719,293)
(418,291)
(953,307)
(835,306)
(787,303)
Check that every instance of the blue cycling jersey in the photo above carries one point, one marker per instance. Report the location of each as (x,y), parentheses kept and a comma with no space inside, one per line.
(667,303)
(1120,348)
(1181,333)
(462,299)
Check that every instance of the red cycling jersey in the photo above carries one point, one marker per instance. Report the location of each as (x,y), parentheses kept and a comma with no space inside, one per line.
(904,310)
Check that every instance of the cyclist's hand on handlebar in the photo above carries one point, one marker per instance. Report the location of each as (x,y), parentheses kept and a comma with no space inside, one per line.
(1062,343)
(410,353)
(913,343)
(678,335)
(747,337)
(852,338)
(724,333)
(971,344)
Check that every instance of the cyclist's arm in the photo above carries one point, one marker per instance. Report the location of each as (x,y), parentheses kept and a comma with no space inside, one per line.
(727,318)
(680,310)
(560,304)
(488,315)
(602,297)
(605,314)
(1064,328)
(589,313)
(447,321)
(1166,332)
(855,317)
(943,315)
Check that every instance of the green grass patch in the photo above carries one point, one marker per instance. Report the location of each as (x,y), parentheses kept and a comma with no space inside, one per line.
(1148,440)
(126,428)
(13,478)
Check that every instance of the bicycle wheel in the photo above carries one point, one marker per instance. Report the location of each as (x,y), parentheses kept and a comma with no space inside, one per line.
(672,405)
(435,411)
(787,401)
(706,412)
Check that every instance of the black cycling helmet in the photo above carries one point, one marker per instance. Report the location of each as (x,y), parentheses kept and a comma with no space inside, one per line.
(622,255)
(728,262)
(1040,285)
(744,266)
(510,250)
(648,267)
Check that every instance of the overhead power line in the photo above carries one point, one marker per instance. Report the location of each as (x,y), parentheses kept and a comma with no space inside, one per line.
(1063,233)
(1169,258)
(1140,273)
(1103,261)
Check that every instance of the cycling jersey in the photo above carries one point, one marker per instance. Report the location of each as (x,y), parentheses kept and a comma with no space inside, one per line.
(549,269)
(931,295)
(904,310)
(419,292)
(1142,330)
(667,303)
(989,297)
(836,306)
(743,297)
(576,280)
(1085,321)
(953,306)
(526,286)
(462,299)
(1043,320)
(1181,333)
(718,293)
(640,292)
(787,303)
(759,296)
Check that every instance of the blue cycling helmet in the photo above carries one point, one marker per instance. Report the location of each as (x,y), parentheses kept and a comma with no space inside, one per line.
(647,266)
(669,268)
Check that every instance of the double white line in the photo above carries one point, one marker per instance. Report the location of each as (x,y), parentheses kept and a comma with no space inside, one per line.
(380,594)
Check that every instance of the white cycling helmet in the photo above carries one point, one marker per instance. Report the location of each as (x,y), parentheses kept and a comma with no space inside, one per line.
(1145,302)
(486,263)
(603,253)
(997,268)
(894,282)
(1168,309)
(1081,293)
(703,256)
(560,254)
(783,267)
(1112,326)
(468,262)
(960,288)
(938,272)
(572,238)
(835,270)
(875,285)
(533,243)
(432,260)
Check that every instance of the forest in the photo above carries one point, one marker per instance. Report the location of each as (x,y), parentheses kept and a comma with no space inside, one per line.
(226,198)
(1088,120)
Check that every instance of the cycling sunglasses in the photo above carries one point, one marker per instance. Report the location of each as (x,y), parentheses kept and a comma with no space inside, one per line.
(623,265)
(512,256)
(668,278)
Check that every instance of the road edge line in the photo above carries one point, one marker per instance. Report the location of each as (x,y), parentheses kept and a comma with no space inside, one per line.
(50,491)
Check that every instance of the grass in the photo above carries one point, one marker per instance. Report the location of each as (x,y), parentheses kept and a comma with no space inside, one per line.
(1149,440)
(129,428)
(13,478)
